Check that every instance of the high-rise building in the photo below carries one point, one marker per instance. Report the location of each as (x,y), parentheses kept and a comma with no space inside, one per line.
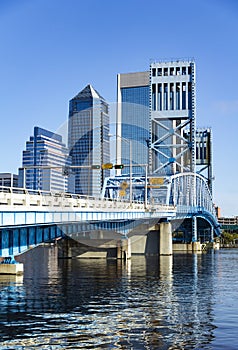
(155,108)
(8,180)
(133,124)
(43,162)
(88,140)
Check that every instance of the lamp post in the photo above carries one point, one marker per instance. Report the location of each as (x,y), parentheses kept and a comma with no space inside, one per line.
(130,158)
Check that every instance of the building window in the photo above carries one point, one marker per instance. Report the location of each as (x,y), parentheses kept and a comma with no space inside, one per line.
(165,71)
(153,72)
(159,97)
(153,97)
(159,72)
(189,97)
(177,70)
(183,70)
(172,71)
(165,97)
(177,96)
(184,96)
(171,96)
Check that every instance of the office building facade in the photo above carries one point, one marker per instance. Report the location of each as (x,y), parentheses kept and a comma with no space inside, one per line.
(167,91)
(8,180)
(133,125)
(44,161)
(88,140)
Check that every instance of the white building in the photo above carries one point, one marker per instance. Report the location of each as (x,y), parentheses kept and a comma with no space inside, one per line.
(43,162)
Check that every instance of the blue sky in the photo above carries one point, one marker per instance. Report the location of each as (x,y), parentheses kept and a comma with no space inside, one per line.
(50,50)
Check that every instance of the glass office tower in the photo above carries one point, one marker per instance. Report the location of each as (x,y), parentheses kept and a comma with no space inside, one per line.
(133,101)
(44,160)
(88,140)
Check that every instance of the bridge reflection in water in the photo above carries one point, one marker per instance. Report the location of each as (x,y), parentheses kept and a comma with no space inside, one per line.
(156,302)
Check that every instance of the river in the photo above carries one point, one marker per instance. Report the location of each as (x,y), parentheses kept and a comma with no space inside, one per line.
(188,301)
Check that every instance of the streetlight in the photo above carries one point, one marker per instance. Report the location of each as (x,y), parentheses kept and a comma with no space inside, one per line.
(130,157)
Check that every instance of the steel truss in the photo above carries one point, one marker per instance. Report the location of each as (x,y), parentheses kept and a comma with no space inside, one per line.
(190,193)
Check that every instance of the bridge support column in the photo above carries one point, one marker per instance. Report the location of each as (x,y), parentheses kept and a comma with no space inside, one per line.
(127,251)
(212,234)
(119,250)
(194,229)
(124,249)
(166,247)
(65,248)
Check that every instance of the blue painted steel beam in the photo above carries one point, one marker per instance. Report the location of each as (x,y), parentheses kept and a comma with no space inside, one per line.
(16,240)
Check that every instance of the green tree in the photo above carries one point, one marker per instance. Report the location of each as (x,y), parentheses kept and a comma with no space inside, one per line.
(229,238)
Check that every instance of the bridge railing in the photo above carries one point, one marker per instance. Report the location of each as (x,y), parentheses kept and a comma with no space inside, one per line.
(41,199)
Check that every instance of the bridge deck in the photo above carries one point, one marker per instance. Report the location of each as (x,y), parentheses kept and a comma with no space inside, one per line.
(18,207)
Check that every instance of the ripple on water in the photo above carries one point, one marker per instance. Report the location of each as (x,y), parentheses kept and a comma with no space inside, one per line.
(188,302)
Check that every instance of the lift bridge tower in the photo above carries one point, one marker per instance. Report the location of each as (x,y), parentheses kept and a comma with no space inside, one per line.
(204,156)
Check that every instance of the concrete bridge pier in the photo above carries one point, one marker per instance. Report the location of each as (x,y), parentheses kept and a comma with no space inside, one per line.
(64,248)
(166,244)
(194,229)
(69,248)
(124,249)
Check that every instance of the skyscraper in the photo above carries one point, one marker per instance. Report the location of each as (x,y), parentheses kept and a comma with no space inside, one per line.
(43,160)
(88,140)
(133,103)
(167,93)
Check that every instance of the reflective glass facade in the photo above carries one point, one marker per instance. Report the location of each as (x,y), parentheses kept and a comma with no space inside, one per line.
(88,140)
(46,156)
(134,120)
(8,180)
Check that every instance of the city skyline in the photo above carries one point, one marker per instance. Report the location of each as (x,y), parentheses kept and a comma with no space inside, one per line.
(44,64)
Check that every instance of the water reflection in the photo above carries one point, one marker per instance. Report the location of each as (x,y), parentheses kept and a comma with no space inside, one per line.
(6,280)
(146,303)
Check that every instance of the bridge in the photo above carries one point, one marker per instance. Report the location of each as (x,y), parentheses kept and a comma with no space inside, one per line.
(179,206)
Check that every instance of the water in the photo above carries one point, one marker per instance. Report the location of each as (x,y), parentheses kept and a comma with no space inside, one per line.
(188,301)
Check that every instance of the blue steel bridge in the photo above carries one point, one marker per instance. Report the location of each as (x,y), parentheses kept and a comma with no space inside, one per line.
(29,218)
